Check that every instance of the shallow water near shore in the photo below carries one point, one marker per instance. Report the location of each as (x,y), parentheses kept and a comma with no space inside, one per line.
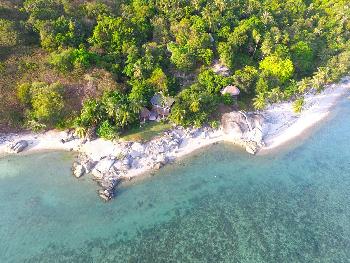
(219,205)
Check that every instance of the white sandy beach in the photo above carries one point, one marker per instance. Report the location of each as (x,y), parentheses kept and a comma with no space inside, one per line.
(283,126)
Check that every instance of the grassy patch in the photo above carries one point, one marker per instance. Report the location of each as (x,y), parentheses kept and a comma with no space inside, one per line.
(146,131)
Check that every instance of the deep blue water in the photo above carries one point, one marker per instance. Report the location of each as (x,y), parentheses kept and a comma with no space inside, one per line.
(220,205)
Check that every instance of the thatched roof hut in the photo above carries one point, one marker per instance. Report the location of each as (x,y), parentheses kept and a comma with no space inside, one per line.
(232,90)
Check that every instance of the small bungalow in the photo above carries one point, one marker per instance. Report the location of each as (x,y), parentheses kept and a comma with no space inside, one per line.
(232,90)
(161,105)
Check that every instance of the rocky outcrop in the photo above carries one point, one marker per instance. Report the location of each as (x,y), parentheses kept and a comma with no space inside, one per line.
(78,170)
(18,146)
(246,128)
(252,147)
(84,165)
(108,188)
(102,167)
(128,158)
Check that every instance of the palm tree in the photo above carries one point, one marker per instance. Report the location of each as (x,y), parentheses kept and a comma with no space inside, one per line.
(80,131)
(259,102)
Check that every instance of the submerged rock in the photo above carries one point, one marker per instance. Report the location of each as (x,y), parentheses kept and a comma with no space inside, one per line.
(105,194)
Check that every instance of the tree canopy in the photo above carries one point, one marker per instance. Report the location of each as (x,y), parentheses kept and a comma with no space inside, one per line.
(274,50)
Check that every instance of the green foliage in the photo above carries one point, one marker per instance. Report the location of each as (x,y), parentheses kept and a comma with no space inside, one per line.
(192,45)
(47,106)
(194,106)
(246,79)
(212,82)
(112,34)
(227,99)
(9,36)
(320,78)
(182,57)
(240,44)
(215,124)
(275,49)
(303,58)
(71,58)
(298,105)
(112,114)
(24,93)
(277,67)
(259,102)
(43,9)
(90,115)
(160,81)
(60,33)
(141,93)
(43,102)
(291,90)
(107,130)
(94,10)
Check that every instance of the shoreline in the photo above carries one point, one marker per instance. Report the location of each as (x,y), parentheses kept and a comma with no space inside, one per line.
(316,109)
(281,125)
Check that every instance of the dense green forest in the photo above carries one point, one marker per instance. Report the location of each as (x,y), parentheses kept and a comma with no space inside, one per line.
(93,65)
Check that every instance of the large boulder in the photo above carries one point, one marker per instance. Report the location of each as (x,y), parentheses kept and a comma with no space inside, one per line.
(245,127)
(234,123)
(135,154)
(252,147)
(78,170)
(137,150)
(233,129)
(138,147)
(89,165)
(18,146)
(256,135)
(162,159)
(102,167)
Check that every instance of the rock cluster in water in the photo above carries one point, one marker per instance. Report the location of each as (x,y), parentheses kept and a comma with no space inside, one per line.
(127,159)
(244,128)
(110,170)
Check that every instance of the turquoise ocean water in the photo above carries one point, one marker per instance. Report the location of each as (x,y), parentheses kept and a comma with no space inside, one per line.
(220,205)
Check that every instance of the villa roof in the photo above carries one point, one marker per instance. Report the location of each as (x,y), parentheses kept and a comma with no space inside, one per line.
(157,99)
(232,90)
(162,101)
